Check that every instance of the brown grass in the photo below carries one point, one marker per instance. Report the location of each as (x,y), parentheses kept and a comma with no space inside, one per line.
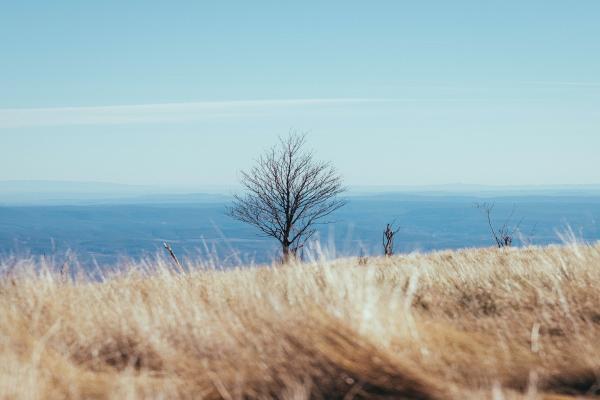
(485,323)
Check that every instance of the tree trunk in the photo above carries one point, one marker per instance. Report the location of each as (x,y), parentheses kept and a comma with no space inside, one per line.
(285,248)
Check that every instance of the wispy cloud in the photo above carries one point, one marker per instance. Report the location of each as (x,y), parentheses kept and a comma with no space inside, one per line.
(155,113)
(582,84)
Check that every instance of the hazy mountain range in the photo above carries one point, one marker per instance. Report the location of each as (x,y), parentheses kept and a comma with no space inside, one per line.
(43,192)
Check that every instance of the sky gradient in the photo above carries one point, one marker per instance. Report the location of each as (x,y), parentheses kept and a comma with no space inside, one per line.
(393,93)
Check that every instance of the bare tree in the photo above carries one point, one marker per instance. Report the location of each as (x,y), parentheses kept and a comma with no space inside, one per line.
(505,234)
(288,192)
(388,239)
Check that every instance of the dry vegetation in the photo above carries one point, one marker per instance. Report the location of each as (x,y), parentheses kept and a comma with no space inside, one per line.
(487,323)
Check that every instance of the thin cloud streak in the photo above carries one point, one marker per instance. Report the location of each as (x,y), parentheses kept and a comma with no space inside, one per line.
(565,83)
(156,113)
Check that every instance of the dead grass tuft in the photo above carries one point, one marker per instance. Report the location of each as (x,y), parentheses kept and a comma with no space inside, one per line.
(481,323)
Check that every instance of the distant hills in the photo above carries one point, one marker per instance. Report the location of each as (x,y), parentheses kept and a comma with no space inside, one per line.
(81,193)
(483,190)
(45,192)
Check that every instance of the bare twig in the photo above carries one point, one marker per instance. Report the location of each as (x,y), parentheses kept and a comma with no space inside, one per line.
(173,256)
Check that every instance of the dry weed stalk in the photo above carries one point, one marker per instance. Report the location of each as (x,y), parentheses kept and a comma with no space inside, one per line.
(388,239)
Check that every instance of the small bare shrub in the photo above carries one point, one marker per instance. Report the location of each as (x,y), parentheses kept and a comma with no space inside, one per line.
(388,239)
(504,235)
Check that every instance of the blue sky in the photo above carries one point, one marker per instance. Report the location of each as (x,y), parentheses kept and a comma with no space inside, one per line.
(393,93)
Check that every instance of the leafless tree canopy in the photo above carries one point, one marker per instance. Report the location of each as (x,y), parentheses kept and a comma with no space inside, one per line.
(288,192)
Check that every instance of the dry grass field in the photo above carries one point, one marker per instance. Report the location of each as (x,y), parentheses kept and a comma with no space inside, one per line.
(472,324)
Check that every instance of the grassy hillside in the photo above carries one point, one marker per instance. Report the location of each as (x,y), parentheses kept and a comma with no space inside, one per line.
(487,323)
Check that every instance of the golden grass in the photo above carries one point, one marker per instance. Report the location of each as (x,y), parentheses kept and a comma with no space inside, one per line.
(483,323)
